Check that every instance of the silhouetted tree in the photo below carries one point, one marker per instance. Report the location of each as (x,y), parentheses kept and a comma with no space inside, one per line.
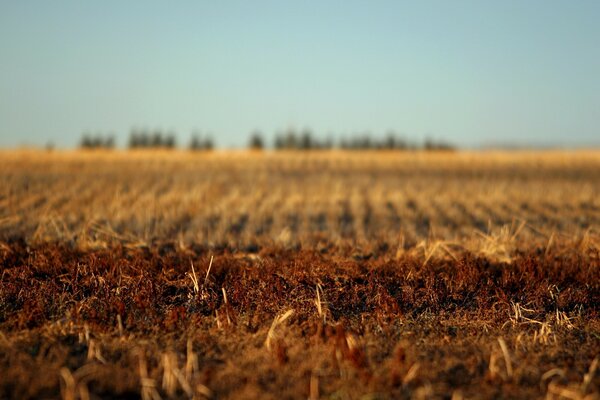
(156,140)
(109,142)
(141,138)
(432,145)
(278,142)
(169,141)
(209,143)
(291,140)
(200,143)
(256,141)
(195,141)
(86,141)
(97,141)
(306,141)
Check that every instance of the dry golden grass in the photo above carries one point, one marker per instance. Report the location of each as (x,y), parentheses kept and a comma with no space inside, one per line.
(430,203)
(341,275)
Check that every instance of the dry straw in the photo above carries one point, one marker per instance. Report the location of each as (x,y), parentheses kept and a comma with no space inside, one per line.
(278,320)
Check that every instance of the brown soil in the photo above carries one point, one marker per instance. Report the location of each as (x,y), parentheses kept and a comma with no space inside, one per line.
(279,323)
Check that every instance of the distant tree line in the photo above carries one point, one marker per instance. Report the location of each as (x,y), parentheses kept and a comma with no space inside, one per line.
(97,141)
(439,145)
(201,142)
(288,140)
(143,139)
(292,140)
(304,140)
(367,142)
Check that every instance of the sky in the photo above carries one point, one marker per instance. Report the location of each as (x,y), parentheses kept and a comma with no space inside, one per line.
(474,73)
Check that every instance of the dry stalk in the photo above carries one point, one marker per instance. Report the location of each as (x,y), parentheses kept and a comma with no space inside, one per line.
(224,295)
(430,249)
(424,392)
(321,311)
(148,385)
(411,374)
(172,376)
(191,363)
(499,246)
(507,360)
(68,390)
(314,387)
(518,315)
(194,279)
(73,388)
(572,391)
(217,319)
(94,352)
(548,375)
(169,381)
(226,306)
(544,335)
(556,391)
(191,368)
(207,271)
(587,378)
(120,325)
(457,395)
(549,245)
(586,241)
(278,320)
(492,365)
(562,319)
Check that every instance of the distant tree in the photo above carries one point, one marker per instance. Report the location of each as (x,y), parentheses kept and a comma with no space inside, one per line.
(306,141)
(137,138)
(109,142)
(141,138)
(195,141)
(256,141)
(145,139)
(86,141)
(209,143)
(169,141)
(432,145)
(279,142)
(199,143)
(156,140)
(97,141)
(291,140)
(390,141)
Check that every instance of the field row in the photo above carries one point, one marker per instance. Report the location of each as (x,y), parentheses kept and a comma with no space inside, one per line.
(246,199)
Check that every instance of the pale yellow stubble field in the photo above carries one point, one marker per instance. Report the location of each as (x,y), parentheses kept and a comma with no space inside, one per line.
(362,199)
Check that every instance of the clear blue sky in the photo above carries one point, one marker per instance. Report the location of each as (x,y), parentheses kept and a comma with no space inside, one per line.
(471,72)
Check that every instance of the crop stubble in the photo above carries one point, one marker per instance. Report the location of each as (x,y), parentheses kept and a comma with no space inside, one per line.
(334,275)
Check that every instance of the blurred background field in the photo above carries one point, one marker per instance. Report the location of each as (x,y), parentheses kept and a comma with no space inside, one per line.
(388,201)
